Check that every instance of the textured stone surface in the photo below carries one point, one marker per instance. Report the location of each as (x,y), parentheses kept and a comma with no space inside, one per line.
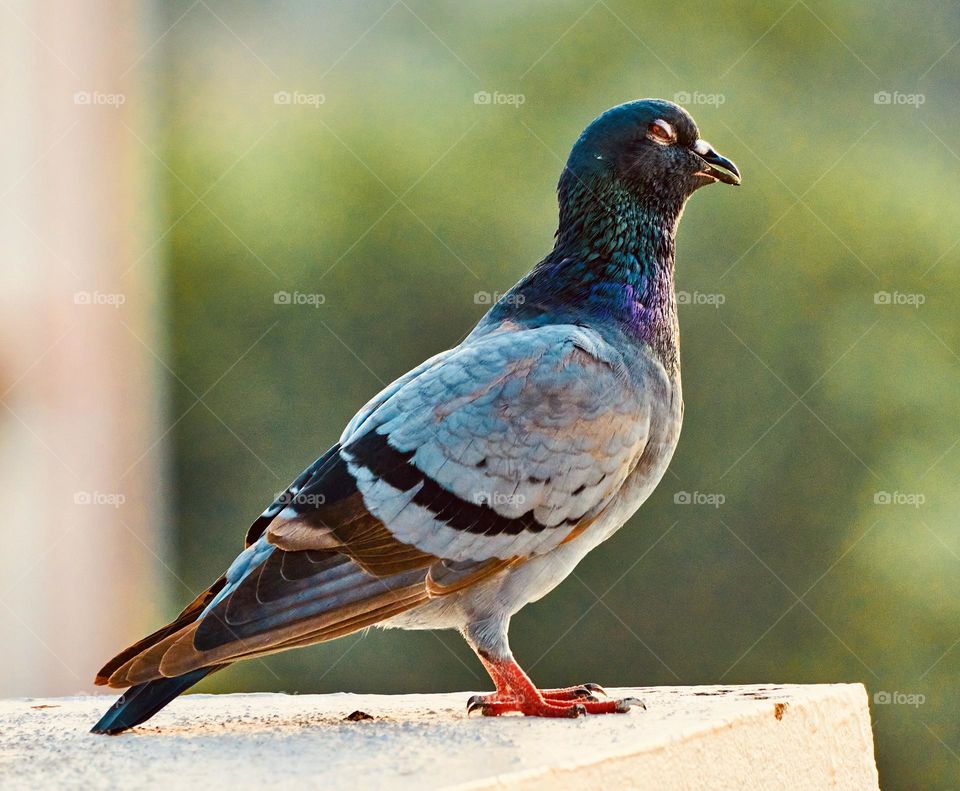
(765,736)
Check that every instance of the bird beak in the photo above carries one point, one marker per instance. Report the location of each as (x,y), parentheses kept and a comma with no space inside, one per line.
(716,167)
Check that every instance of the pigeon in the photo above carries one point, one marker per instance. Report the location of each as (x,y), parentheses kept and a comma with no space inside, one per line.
(476,482)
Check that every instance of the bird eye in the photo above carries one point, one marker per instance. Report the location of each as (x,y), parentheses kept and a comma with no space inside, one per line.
(661,132)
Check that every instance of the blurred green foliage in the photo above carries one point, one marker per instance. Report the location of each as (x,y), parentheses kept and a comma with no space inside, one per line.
(399,199)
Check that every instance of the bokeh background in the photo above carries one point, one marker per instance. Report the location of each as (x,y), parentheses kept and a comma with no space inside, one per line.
(293,203)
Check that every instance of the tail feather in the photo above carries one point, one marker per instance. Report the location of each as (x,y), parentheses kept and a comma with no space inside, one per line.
(190,614)
(141,702)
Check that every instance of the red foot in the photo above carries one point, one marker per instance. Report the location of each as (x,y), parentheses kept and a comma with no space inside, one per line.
(516,693)
(490,706)
(532,708)
(579,692)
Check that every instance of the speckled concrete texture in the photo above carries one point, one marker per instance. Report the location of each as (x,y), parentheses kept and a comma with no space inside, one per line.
(748,737)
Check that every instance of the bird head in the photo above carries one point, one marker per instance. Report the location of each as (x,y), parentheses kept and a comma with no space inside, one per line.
(650,147)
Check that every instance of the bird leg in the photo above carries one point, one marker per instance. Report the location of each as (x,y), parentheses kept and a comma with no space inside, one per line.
(515,692)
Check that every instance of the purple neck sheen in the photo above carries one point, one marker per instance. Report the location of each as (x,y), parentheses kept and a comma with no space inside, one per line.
(612,263)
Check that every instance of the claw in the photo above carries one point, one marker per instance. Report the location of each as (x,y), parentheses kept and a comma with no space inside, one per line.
(625,704)
(595,688)
(475,702)
(578,710)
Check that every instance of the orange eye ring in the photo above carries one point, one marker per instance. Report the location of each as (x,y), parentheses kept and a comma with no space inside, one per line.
(661,132)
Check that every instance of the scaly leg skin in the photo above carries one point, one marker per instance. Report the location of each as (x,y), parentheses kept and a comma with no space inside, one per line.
(517,693)
(580,692)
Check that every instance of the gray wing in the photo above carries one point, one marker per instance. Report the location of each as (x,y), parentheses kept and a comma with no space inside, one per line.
(502,447)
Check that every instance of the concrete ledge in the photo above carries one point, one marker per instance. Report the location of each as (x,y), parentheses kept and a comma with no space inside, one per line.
(756,737)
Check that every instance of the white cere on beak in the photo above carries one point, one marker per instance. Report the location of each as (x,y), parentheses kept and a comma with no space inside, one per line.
(702,147)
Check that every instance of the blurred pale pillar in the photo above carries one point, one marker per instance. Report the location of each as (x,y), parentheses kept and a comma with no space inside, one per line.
(81,486)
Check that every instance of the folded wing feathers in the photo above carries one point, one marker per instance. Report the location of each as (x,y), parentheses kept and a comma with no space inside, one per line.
(500,449)
(257,618)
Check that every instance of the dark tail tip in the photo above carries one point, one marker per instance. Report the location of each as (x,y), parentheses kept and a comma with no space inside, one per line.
(139,703)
